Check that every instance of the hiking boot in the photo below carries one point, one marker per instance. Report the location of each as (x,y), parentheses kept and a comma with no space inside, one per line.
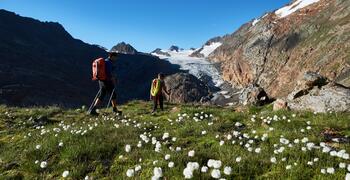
(93,112)
(119,113)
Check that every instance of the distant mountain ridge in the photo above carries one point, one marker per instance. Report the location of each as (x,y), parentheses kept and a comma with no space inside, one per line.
(42,64)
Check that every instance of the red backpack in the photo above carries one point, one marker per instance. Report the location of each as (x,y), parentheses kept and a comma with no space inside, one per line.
(99,70)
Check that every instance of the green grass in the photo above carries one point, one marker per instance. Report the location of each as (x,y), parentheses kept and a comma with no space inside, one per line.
(100,152)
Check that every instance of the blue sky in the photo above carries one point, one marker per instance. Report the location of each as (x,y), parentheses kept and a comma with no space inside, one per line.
(146,24)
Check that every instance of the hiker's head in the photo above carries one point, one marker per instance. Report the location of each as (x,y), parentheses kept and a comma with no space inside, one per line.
(113,56)
(161,76)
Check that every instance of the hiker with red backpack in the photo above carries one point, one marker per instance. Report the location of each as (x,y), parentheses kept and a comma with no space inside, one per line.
(157,88)
(102,70)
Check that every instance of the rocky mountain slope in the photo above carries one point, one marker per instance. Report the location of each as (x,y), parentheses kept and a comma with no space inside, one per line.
(276,50)
(42,64)
(124,48)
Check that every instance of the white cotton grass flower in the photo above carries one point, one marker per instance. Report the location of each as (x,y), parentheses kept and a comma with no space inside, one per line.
(347,177)
(191,153)
(323,171)
(167,157)
(204,132)
(157,173)
(257,150)
(222,143)
(342,165)
(227,170)
(65,174)
(43,164)
(60,144)
(165,136)
(216,174)
(171,164)
(273,160)
(238,159)
(36,162)
(127,148)
(330,170)
(138,168)
(216,164)
(188,173)
(130,172)
(204,169)
(38,146)
(288,167)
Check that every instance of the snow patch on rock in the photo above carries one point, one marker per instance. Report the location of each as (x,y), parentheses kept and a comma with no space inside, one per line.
(299,4)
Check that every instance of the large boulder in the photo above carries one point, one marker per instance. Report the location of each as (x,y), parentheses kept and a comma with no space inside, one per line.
(186,88)
(331,97)
(308,82)
(253,95)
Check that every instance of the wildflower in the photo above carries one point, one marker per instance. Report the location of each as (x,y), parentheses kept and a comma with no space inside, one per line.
(204,169)
(165,136)
(38,147)
(347,177)
(138,168)
(178,149)
(171,164)
(191,153)
(310,163)
(157,173)
(323,171)
(65,174)
(167,157)
(36,162)
(330,170)
(288,167)
(349,167)
(342,165)
(188,173)
(273,160)
(227,170)
(238,159)
(204,132)
(43,164)
(222,143)
(258,150)
(127,148)
(60,144)
(215,173)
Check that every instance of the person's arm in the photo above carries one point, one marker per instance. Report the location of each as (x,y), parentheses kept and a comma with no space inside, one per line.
(166,89)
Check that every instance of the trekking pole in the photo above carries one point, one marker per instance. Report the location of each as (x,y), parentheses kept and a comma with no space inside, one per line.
(93,102)
(110,99)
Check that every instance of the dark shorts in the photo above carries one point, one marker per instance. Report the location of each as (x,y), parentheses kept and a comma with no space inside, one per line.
(106,87)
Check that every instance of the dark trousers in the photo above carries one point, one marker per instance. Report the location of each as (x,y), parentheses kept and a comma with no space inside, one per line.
(106,87)
(158,100)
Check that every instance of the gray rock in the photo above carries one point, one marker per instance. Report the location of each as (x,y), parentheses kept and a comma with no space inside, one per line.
(309,80)
(331,97)
(186,88)
(253,95)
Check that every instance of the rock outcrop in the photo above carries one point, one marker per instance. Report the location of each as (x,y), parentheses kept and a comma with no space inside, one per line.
(275,52)
(186,88)
(253,95)
(331,97)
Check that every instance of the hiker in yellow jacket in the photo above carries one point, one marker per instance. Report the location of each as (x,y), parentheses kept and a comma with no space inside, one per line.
(157,88)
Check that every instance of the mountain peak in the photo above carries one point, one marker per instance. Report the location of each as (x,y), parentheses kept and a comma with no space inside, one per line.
(124,48)
(174,48)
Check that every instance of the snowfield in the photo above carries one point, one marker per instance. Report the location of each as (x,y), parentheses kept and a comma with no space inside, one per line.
(208,49)
(299,4)
(198,67)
